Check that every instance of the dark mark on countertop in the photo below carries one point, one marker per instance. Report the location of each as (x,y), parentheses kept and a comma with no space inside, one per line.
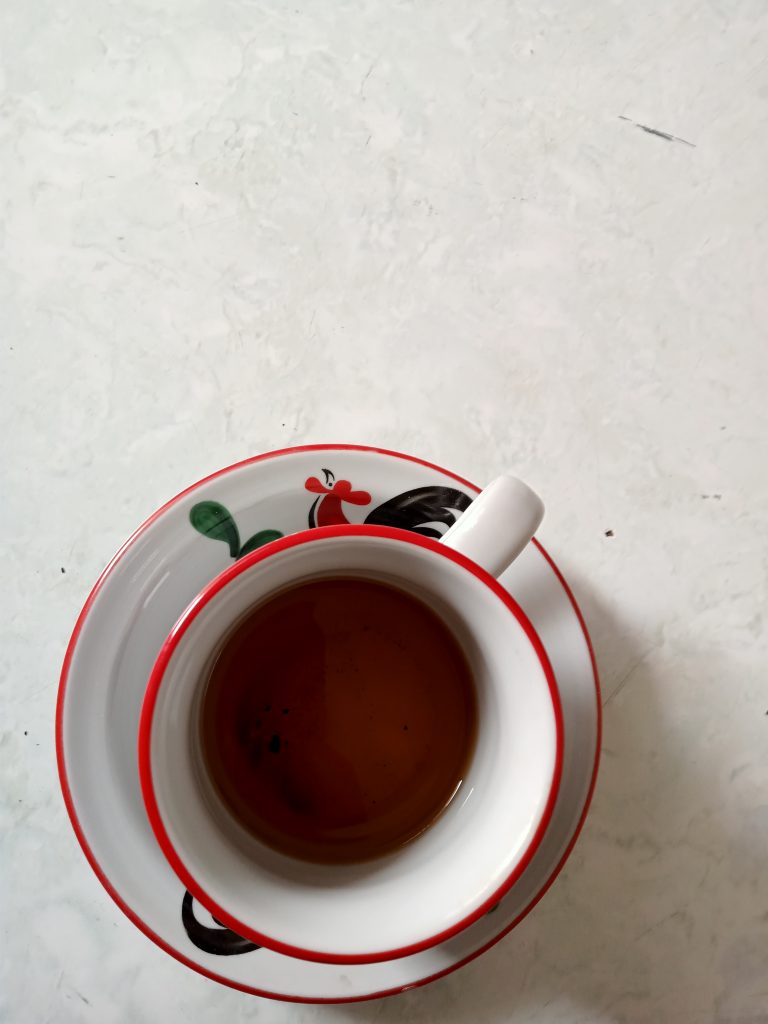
(63,569)
(609,533)
(715,497)
(667,136)
(366,76)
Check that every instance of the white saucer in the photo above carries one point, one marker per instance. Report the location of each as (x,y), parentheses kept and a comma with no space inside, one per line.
(133,606)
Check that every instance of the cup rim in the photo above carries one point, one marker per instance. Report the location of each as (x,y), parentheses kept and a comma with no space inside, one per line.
(156,679)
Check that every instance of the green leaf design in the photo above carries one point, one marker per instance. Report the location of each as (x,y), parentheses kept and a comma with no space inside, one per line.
(259,540)
(214,520)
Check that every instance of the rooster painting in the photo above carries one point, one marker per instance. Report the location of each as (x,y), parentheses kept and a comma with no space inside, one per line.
(425,510)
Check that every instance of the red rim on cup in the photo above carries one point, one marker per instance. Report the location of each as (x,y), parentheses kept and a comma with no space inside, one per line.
(327,543)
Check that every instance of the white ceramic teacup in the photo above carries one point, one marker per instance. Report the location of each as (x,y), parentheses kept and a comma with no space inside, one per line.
(447,877)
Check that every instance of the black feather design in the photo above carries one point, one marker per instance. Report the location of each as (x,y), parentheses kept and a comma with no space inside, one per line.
(219,941)
(418,509)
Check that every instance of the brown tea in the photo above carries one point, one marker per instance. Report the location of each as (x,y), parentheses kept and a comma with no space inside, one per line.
(338,719)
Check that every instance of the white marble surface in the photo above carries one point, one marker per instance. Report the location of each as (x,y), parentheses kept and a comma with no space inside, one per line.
(231,226)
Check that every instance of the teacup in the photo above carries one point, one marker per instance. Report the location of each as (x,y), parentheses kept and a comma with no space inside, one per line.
(461,866)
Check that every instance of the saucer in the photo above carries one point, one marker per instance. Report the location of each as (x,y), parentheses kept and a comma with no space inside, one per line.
(130,611)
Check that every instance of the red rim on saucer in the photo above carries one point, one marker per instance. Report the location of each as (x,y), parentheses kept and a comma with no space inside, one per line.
(101,872)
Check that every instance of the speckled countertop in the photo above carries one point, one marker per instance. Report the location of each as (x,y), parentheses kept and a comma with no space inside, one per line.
(499,235)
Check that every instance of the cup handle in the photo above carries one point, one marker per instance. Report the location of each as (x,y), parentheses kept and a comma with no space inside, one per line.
(497,525)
